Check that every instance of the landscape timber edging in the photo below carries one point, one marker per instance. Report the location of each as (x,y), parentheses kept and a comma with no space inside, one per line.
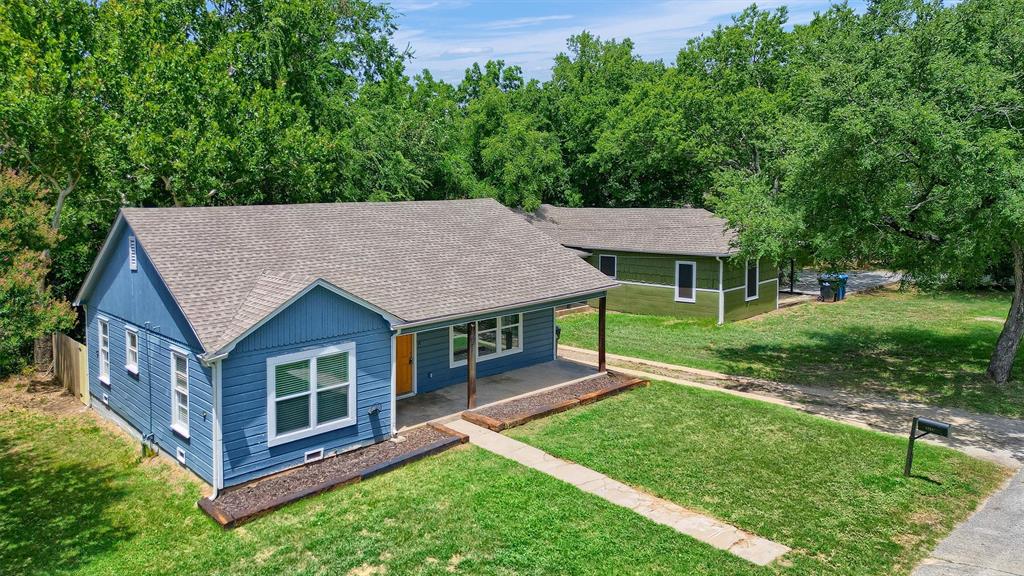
(227,520)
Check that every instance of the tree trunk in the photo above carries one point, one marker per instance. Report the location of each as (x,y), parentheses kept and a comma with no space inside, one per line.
(1001,365)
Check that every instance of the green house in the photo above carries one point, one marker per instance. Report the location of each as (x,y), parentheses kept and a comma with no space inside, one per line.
(668,261)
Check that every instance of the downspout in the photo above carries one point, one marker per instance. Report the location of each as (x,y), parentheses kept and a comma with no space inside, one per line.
(218,447)
(394,385)
(149,380)
(721,290)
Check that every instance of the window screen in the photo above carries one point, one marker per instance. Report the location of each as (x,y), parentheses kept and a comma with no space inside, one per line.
(752,280)
(686,286)
(608,265)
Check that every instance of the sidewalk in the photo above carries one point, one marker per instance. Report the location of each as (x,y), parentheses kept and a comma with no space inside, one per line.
(704,528)
(989,543)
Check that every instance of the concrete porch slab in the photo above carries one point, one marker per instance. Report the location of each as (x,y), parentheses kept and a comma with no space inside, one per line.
(451,400)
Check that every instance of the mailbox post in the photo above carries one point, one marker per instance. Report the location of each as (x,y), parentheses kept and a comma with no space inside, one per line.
(926,426)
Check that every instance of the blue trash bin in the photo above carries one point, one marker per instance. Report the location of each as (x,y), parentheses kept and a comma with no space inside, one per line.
(841,291)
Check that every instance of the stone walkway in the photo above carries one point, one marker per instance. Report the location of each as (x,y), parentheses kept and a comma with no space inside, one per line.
(747,546)
(995,438)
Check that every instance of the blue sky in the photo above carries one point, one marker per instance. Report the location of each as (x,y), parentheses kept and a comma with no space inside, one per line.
(447,36)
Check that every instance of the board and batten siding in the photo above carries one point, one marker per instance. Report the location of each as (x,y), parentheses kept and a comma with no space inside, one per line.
(433,352)
(140,299)
(318,319)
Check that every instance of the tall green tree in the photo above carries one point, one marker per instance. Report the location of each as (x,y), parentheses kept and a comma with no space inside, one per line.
(587,82)
(28,309)
(905,147)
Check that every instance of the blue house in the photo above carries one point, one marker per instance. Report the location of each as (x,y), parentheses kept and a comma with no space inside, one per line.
(246,340)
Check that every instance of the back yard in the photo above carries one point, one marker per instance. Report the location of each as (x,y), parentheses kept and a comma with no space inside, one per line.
(929,348)
(75,498)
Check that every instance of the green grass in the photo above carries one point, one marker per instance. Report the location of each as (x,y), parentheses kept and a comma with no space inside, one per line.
(75,499)
(833,493)
(930,348)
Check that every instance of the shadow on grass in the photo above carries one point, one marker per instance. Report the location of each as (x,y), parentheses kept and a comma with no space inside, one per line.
(52,514)
(945,369)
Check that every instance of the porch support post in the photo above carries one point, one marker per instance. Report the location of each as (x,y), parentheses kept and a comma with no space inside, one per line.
(471,366)
(602,304)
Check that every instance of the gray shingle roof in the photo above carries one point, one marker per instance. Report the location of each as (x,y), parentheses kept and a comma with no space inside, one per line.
(691,231)
(229,267)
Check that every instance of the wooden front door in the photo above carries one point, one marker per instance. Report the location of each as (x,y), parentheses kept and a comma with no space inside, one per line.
(403,364)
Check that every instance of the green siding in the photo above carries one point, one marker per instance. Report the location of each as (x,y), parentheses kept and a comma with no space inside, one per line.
(735,272)
(659,268)
(737,308)
(660,301)
(659,298)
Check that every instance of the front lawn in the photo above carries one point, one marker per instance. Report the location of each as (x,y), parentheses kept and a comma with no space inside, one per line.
(833,493)
(76,499)
(930,348)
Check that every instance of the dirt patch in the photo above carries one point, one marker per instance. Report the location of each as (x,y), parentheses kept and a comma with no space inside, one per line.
(40,393)
(995,319)
(245,502)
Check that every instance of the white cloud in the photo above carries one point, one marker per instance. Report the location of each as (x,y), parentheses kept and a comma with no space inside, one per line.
(658,30)
(524,22)
(464,51)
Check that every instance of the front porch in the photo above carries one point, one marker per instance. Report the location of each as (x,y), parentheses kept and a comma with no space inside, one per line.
(451,400)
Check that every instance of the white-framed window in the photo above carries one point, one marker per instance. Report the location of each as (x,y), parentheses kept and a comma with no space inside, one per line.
(495,337)
(753,279)
(179,392)
(609,265)
(131,349)
(104,341)
(310,392)
(686,281)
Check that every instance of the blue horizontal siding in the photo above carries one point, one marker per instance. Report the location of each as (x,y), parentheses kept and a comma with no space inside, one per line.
(433,353)
(318,319)
(140,299)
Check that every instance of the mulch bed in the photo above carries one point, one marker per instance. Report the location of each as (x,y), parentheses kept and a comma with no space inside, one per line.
(522,410)
(243,503)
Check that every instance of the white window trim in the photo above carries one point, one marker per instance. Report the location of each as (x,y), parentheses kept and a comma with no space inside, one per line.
(615,262)
(746,281)
(273,438)
(103,322)
(133,368)
(452,363)
(693,266)
(179,427)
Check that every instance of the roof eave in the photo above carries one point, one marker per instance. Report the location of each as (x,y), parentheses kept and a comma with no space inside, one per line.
(105,251)
(223,350)
(537,302)
(666,252)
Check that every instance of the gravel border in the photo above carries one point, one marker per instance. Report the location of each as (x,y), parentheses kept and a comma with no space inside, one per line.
(522,410)
(242,503)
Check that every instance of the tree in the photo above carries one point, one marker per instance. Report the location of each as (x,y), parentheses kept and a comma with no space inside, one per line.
(28,309)
(50,114)
(587,83)
(905,147)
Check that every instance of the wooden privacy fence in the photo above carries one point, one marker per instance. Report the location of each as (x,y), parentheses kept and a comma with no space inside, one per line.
(71,365)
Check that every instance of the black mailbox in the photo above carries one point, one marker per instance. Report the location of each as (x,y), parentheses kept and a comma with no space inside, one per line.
(923,427)
(933,427)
